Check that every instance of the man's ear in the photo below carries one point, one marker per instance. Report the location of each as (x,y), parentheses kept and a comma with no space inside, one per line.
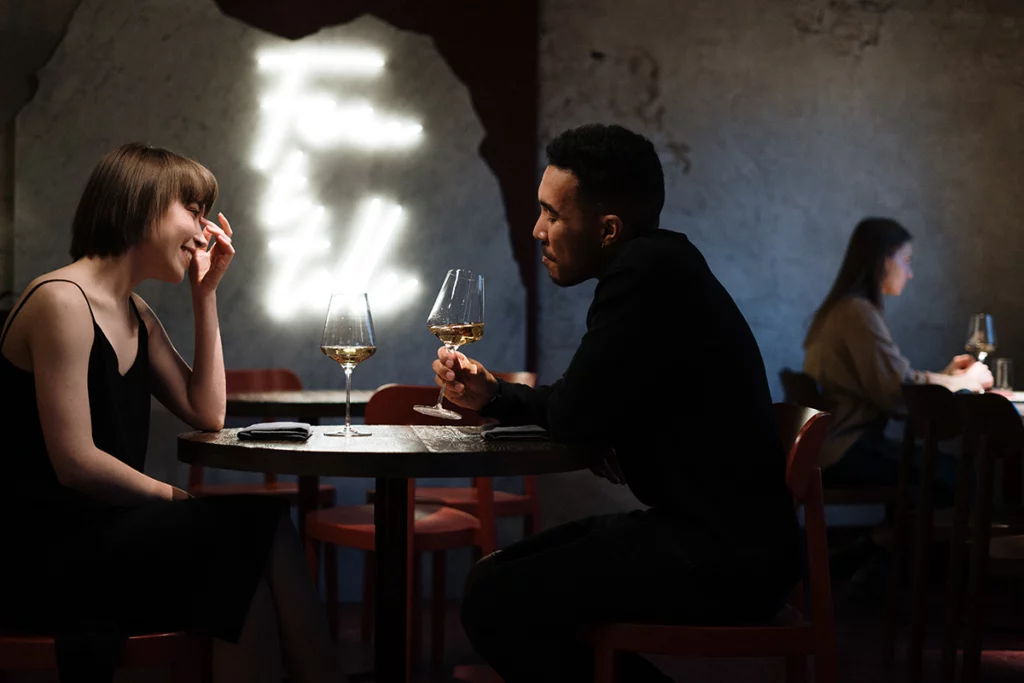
(611,230)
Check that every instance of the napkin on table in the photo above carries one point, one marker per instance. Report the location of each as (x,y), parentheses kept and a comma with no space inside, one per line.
(510,433)
(276,431)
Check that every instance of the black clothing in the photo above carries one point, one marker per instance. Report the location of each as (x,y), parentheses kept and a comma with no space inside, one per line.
(93,573)
(721,542)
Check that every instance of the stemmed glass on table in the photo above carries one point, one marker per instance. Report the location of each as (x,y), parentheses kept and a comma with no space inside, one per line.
(457,318)
(348,339)
(981,336)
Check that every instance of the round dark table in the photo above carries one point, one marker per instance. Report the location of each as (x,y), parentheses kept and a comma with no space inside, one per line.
(395,456)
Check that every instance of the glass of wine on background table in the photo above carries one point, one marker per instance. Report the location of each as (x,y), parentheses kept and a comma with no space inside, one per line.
(457,318)
(348,340)
(981,336)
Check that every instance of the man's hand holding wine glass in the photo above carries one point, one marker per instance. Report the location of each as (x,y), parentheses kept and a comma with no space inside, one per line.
(469,383)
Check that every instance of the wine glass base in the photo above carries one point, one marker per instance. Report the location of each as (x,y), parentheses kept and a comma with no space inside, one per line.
(346,431)
(434,411)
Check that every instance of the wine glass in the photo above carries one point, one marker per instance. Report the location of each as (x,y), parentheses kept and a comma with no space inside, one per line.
(348,339)
(457,318)
(981,336)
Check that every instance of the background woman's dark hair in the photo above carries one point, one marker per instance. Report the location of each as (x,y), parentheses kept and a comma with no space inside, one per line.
(617,172)
(873,241)
(129,189)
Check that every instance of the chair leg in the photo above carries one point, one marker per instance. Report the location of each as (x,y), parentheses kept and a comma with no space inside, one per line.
(437,607)
(900,517)
(958,558)
(606,666)
(369,596)
(826,667)
(182,673)
(977,574)
(922,562)
(331,591)
(796,669)
(189,670)
(416,638)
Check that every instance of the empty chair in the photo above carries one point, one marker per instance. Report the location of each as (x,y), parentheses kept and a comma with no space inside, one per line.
(436,528)
(465,498)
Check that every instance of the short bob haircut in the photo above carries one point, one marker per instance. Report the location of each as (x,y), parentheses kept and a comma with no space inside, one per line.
(130,188)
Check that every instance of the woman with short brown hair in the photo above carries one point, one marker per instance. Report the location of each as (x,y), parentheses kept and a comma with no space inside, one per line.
(95,549)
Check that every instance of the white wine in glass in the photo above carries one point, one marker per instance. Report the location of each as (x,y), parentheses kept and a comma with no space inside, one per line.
(981,336)
(348,340)
(457,318)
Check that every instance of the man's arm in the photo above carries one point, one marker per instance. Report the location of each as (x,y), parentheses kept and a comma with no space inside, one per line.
(520,404)
(582,403)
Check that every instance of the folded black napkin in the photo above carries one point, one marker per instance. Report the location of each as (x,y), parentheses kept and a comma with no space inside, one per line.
(520,432)
(276,431)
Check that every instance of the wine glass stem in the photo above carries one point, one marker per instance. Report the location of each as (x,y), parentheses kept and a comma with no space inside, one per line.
(348,399)
(444,386)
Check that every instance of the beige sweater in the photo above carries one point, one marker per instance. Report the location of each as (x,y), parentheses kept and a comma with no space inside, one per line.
(860,369)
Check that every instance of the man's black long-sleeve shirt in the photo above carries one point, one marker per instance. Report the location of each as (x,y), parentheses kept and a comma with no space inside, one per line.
(670,375)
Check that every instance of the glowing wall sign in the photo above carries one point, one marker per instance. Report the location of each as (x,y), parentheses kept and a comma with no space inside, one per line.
(299,115)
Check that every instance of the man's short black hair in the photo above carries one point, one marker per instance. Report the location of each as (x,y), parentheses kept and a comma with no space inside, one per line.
(617,172)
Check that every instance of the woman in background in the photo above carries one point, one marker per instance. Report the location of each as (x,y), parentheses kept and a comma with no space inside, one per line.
(96,550)
(851,353)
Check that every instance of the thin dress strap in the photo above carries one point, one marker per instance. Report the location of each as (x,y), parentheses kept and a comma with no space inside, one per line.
(10,319)
(138,313)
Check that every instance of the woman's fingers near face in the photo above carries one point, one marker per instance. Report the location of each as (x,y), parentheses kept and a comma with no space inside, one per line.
(224,223)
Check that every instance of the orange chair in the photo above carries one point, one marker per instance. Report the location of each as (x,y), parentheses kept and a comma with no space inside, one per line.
(791,636)
(185,655)
(263,379)
(436,528)
(525,505)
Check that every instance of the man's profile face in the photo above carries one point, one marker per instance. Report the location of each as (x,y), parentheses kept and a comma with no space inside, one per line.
(569,238)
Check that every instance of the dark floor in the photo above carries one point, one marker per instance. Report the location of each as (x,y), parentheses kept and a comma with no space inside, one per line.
(859,633)
(860,648)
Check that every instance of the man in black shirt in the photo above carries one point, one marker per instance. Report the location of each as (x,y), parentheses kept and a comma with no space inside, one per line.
(668,374)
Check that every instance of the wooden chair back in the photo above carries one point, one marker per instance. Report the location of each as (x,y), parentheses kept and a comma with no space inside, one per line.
(801,389)
(392,404)
(802,430)
(993,431)
(520,377)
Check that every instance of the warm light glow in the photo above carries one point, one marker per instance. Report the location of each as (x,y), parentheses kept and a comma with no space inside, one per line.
(299,112)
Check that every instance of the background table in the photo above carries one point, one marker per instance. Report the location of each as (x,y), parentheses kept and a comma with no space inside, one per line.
(308,405)
(395,456)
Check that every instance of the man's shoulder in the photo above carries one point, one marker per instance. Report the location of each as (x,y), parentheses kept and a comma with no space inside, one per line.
(658,248)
